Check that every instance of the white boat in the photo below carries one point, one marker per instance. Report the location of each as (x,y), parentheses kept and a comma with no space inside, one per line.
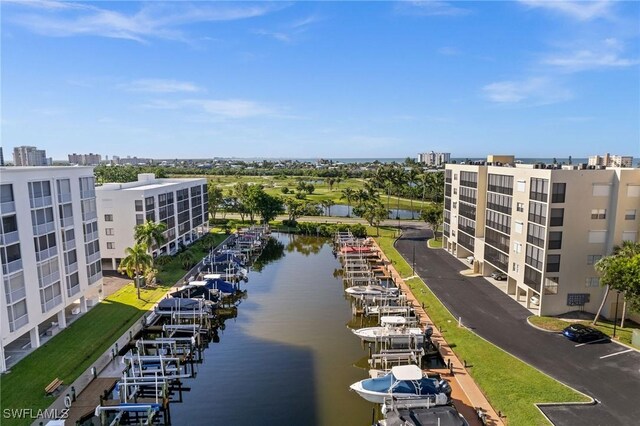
(371,290)
(384,333)
(406,381)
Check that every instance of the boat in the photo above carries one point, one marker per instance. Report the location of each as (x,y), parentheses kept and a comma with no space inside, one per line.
(402,382)
(385,333)
(418,413)
(371,290)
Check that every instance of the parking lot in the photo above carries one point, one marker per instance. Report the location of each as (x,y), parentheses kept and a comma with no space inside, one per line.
(606,371)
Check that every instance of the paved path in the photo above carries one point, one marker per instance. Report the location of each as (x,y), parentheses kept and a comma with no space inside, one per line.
(601,370)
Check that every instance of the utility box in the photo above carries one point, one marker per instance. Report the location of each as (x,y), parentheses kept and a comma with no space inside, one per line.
(635,338)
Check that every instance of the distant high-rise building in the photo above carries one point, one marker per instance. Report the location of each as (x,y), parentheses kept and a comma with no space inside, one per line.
(89,159)
(1,157)
(29,156)
(608,160)
(434,158)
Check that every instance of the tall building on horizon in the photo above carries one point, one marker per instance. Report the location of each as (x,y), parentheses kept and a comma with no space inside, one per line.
(608,160)
(51,269)
(544,228)
(85,159)
(434,159)
(30,156)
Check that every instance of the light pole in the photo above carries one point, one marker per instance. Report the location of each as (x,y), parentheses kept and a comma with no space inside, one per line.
(615,317)
(413,263)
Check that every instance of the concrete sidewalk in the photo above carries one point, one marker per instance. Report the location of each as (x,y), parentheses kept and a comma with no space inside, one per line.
(474,395)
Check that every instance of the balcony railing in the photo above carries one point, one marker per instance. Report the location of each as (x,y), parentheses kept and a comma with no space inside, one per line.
(40,201)
(91,236)
(69,245)
(93,257)
(89,215)
(16,295)
(7,207)
(50,304)
(19,322)
(89,193)
(9,238)
(46,253)
(70,269)
(66,221)
(12,267)
(64,198)
(73,290)
(49,279)
(44,228)
(95,278)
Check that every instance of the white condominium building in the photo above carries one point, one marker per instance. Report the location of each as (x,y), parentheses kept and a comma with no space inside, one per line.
(182,204)
(608,160)
(29,156)
(50,253)
(543,228)
(434,158)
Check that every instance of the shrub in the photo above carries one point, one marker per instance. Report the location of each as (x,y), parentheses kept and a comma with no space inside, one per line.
(163,260)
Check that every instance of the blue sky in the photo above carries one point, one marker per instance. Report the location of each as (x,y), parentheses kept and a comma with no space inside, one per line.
(321,79)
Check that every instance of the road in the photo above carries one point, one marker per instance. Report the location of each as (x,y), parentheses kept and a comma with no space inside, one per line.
(606,371)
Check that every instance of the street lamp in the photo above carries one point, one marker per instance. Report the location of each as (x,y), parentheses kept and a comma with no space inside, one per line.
(413,263)
(615,317)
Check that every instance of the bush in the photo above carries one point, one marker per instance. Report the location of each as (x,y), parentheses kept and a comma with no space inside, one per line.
(284,190)
(163,260)
(329,230)
(289,223)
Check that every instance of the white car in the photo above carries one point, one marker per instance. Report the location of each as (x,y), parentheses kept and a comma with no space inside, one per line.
(470,259)
(535,300)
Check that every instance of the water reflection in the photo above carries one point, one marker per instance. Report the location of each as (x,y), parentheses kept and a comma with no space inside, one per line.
(305,244)
(273,250)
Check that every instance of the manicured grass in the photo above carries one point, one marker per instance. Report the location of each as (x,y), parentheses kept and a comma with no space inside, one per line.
(510,385)
(555,324)
(433,243)
(71,352)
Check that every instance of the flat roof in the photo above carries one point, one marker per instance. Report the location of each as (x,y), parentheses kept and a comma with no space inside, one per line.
(145,185)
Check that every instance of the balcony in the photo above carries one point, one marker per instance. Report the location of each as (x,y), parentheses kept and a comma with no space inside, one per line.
(50,304)
(73,290)
(468,183)
(70,269)
(66,221)
(69,245)
(7,207)
(40,202)
(93,257)
(87,216)
(46,253)
(95,278)
(19,322)
(89,193)
(16,295)
(12,267)
(64,198)
(91,236)
(44,228)
(49,279)
(9,238)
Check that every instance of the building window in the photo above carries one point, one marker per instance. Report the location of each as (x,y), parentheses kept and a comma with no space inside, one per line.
(601,190)
(633,191)
(539,189)
(517,247)
(502,184)
(553,263)
(598,213)
(520,186)
(139,219)
(455,176)
(108,218)
(557,217)
(520,207)
(108,231)
(138,205)
(455,191)
(537,213)
(455,204)
(630,236)
(515,267)
(630,214)
(111,246)
(558,192)
(597,236)
(551,285)
(593,258)
(519,226)
(593,282)
(555,240)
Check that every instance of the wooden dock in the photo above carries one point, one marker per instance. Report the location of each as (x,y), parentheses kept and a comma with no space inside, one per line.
(89,398)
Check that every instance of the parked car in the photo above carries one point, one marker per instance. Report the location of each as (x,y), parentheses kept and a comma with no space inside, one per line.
(470,259)
(499,276)
(535,300)
(582,333)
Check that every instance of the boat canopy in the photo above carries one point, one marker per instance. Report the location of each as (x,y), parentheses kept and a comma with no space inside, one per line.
(393,320)
(407,372)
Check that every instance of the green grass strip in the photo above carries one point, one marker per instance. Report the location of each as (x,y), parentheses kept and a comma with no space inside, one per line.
(511,386)
(555,324)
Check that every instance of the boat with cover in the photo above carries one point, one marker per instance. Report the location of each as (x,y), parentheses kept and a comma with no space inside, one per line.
(418,413)
(383,333)
(371,290)
(402,382)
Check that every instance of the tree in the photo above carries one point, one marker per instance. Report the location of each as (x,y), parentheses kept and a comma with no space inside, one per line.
(216,197)
(433,216)
(621,271)
(136,263)
(348,194)
(373,212)
(150,234)
(327,204)
(269,206)
(330,182)
(187,259)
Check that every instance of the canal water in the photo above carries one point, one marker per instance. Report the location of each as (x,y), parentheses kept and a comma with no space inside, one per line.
(343,210)
(288,357)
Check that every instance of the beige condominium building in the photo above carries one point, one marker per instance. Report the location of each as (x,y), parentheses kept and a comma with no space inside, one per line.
(50,254)
(181,204)
(542,227)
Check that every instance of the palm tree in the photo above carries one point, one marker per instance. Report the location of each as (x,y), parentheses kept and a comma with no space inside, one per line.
(187,259)
(327,205)
(423,182)
(136,263)
(348,194)
(150,233)
(411,180)
(628,249)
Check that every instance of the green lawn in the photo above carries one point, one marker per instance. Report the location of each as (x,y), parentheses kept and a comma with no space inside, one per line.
(433,243)
(556,324)
(71,352)
(510,385)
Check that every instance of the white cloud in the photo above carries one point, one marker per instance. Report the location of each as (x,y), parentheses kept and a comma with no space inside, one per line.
(290,32)
(430,8)
(580,10)
(606,54)
(280,36)
(220,108)
(531,91)
(161,86)
(152,20)
(448,51)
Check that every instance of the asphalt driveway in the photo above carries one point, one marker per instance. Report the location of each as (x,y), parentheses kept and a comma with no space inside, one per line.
(603,371)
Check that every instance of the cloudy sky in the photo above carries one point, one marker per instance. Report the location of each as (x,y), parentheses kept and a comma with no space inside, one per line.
(311,79)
